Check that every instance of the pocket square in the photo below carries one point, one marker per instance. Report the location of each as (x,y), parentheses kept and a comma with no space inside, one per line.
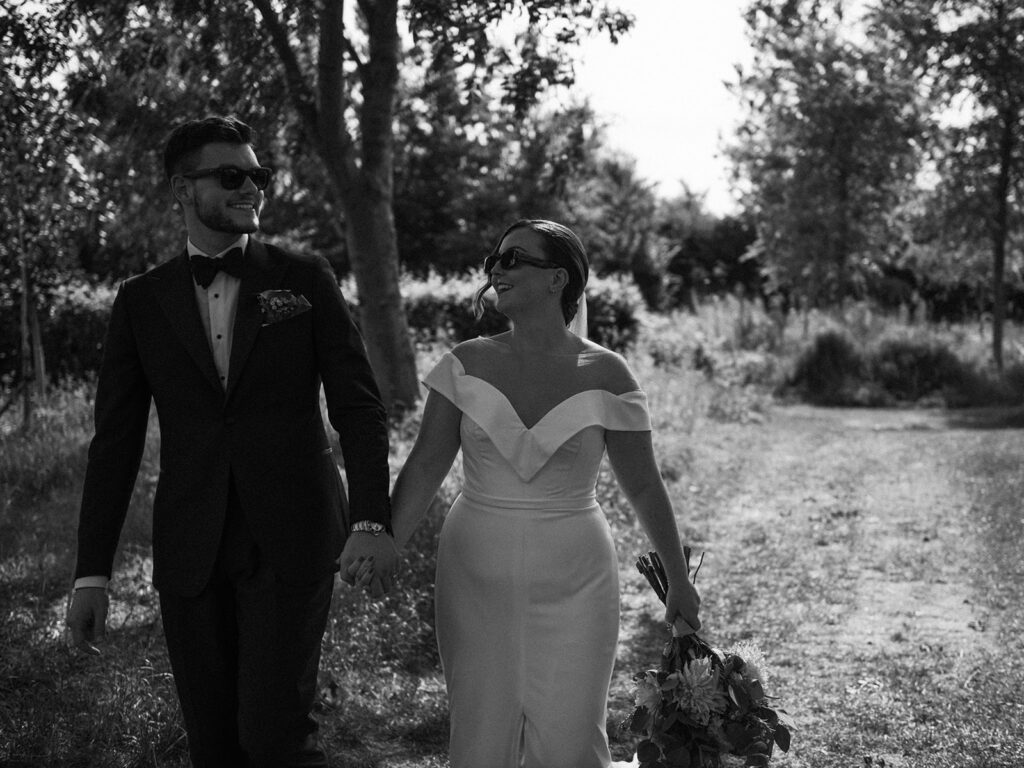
(281,305)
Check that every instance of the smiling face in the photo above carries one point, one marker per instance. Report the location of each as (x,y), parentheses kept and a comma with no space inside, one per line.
(525,286)
(215,213)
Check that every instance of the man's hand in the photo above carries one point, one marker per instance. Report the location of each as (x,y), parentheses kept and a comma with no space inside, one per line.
(369,561)
(87,618)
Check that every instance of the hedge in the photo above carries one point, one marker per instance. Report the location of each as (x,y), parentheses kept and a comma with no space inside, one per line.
(75,319)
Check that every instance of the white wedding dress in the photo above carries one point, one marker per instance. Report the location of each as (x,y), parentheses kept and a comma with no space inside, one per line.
(527,576)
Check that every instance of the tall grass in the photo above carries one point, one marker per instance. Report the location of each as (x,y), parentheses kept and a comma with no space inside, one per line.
(380,674)
(381,693)
(847,355)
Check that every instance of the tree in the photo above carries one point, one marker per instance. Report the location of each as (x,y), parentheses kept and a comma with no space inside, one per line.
(969,53)
(340,75)
(467,167)
(617,211)
(827,146)
(40,196)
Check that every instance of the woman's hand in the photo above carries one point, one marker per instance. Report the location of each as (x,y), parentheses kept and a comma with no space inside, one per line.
(682,604)
(360,574)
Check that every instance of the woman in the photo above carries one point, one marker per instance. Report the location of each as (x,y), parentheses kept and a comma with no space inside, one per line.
(527,577)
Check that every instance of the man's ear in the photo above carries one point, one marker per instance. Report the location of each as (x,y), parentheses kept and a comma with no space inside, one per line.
(181,190)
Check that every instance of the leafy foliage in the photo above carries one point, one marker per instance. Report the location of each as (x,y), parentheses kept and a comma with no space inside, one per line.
(909,369)
(830,370)
(537,34)
(969,53)
(616,210)
(899,367)
(76,316)
(826,149)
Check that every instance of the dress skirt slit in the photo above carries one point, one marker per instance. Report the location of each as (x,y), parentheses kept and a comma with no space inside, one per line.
(527,596)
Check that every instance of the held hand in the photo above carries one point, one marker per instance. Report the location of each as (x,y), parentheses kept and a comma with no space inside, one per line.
(369,561)
(682,604)
(87,618)
(359,573)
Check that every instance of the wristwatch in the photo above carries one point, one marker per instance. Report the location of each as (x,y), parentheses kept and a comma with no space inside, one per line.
(368,526)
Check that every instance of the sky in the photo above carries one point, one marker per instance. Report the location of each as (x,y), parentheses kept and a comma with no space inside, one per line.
(661,91)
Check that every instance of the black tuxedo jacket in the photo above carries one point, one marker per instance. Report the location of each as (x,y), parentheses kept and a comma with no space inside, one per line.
(264,428)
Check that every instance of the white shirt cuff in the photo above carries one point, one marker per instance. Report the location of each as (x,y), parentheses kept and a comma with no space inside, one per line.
(92,581)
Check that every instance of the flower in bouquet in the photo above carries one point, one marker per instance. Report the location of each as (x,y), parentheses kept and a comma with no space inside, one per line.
(755,666)
(647,690)
(698,690)
(703,703)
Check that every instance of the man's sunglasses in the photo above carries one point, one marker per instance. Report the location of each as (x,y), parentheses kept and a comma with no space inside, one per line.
(232,177)
(513,257)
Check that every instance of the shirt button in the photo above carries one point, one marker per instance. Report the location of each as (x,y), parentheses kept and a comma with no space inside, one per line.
(219,336)
(216,295)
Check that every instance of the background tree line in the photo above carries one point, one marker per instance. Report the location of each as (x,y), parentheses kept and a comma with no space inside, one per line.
(879,158)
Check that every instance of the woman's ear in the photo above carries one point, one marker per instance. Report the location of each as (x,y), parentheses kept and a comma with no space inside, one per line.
(559,279)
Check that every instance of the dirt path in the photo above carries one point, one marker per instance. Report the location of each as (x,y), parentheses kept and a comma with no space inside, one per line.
(872,554)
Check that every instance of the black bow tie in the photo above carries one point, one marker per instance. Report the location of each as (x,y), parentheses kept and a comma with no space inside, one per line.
(204,269)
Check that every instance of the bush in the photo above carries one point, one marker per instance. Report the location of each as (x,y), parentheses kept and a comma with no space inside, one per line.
(911,369)
(831,372)
(612,317)
(73,322)
(74,330)
(52,454)
(441,307)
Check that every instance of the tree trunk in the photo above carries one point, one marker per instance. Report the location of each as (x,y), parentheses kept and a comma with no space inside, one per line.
(26,348)
(361,177)
(368,197)
(373,250)
(1000,234)
(38,355)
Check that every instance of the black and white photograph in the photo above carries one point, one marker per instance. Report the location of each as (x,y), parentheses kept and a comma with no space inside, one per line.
(511,384)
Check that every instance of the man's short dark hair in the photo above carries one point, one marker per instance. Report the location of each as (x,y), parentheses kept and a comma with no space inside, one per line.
(186,141)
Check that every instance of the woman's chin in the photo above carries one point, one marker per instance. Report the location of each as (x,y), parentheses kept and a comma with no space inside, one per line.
(508,307)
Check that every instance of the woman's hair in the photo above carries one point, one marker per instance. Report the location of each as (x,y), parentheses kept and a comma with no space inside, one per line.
(562,246)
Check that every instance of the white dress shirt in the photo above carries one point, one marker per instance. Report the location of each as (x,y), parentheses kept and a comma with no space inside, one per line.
(217,304)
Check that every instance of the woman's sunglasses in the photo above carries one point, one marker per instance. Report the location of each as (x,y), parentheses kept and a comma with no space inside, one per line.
(513,257)
(232,177)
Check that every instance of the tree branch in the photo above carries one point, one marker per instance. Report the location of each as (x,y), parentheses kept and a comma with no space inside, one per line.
(334,90)
(380,80)
(301,94)
(334,96)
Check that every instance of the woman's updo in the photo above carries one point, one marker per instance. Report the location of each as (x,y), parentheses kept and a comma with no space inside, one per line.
(562,246)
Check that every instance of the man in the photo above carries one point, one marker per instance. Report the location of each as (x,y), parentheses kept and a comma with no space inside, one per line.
(231,340)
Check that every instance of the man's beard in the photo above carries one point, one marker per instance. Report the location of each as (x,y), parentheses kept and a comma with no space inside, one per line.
(215,218)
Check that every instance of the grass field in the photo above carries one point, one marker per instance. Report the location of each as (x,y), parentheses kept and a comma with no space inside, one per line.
(771,579)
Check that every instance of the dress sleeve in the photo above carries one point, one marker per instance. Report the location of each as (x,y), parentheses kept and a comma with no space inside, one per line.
(627,412)
(443,376)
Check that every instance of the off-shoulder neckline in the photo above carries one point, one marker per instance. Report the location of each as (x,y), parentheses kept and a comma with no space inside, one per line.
(508,347)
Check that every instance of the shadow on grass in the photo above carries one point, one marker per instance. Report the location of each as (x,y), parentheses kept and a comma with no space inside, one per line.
(986,418)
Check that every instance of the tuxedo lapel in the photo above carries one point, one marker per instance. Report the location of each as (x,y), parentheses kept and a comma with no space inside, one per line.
(177,297)
(262,273)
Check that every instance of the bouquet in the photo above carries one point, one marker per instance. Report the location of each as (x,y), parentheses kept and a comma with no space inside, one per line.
(703,704)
